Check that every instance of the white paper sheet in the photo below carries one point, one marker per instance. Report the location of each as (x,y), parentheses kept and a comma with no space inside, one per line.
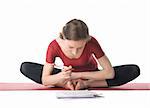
(77,94)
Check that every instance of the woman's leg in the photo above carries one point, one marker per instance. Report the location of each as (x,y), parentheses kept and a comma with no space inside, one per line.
(124,74)
(34,71)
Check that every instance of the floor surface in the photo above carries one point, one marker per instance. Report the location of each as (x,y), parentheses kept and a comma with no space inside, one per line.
(47,99)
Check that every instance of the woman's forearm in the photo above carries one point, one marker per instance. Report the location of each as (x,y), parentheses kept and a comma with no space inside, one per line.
(95,75)
(50,80)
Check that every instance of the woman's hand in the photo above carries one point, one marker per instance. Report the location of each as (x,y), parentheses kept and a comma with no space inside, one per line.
(64,78)
(70,80)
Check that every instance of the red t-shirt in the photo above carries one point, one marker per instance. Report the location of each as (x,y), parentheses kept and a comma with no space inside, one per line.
(86,62)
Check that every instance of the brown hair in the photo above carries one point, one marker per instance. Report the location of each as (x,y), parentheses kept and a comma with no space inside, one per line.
(75,30)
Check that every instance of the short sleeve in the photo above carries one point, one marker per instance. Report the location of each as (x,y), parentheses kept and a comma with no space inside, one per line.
(96,49)
(51,53)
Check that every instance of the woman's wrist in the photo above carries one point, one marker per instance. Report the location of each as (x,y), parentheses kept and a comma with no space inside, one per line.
(76,75)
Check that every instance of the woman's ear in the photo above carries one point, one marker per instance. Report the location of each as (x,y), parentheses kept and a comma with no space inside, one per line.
(61,35)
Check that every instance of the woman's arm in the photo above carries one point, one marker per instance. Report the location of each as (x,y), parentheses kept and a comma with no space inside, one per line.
(106,73)
(47,78)
(61,79)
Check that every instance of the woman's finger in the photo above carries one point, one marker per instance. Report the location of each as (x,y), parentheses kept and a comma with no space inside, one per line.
(70,85)
(65,68)
(77,87)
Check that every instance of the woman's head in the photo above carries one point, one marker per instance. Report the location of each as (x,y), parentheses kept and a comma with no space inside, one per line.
(75,35)
(75,30)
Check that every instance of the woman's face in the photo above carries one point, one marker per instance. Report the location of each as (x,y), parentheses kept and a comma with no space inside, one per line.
(75,47)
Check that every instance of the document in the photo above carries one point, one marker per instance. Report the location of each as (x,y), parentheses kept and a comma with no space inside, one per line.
(77,94)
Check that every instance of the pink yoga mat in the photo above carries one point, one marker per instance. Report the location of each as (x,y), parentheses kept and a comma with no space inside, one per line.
(35,86)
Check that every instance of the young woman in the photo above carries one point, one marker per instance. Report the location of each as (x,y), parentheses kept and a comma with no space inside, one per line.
(78,51)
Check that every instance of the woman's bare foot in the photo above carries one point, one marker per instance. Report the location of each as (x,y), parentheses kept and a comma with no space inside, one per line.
(80,84)
(69,85)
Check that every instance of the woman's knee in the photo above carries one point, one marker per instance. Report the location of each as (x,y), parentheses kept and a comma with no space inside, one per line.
(130,70)
(135,70)
(124,74)
(23,67)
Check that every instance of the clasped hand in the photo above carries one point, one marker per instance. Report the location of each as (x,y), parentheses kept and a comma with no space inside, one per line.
(67,81)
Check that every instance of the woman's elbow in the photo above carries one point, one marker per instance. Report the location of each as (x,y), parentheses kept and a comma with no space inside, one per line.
(111,73)
(44,81)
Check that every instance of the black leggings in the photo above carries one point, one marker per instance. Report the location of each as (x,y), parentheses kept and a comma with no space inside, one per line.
(123,73)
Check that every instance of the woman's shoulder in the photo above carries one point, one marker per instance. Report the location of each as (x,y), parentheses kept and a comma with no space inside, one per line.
(53,43)
(92,40)
(56,44)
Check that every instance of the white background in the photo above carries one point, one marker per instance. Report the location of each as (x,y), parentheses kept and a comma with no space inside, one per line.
(47,99)
(27,27)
